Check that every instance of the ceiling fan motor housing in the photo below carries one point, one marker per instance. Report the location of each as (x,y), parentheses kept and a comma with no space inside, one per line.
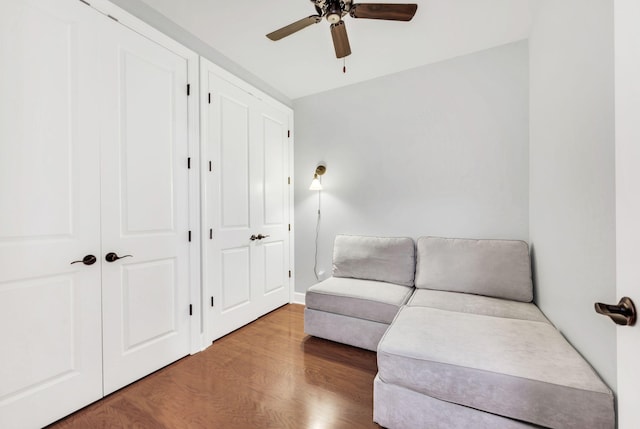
(332,10)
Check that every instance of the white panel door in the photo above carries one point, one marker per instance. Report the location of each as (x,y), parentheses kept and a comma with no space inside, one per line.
(50,326)
(627,107)
(144,208)
(228,206)
(246,196)
(270,210)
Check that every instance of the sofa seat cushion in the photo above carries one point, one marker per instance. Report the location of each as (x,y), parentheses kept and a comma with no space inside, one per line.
(476,304)
(364,299)
(520,369)
(497,268)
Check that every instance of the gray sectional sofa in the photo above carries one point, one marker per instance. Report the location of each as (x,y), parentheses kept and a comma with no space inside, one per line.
(460,345)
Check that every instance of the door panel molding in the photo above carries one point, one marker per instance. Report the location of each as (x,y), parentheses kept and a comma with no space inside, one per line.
(236,281)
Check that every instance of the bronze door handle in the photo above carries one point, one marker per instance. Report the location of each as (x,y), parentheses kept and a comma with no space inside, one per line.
(87,260)
(112,257)
(258,237)
(622,314)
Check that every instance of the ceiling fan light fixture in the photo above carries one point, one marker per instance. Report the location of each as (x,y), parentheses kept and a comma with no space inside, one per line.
(334,18)
(334,12)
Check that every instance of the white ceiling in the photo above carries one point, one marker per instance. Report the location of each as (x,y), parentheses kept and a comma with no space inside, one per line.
(305,63)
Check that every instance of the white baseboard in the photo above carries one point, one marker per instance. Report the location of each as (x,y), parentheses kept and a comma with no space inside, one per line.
(298,298)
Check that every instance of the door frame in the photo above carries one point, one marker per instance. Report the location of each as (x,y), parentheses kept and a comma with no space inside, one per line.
(192,59)
(627,107)
(207,67)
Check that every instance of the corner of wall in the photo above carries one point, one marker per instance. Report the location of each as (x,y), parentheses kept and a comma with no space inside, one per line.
(572,172)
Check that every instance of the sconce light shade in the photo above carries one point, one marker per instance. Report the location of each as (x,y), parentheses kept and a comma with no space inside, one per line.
(315,184)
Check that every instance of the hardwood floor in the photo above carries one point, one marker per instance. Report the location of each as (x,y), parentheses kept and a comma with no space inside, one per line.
(268,374)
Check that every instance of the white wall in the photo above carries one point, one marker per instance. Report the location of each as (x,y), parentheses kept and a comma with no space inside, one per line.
(572,194)
(437,150)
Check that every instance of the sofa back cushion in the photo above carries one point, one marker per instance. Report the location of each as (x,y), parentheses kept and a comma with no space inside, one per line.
(385,259)
(498,268)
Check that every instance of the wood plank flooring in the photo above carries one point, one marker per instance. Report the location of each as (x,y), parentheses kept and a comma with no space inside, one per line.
(268,374)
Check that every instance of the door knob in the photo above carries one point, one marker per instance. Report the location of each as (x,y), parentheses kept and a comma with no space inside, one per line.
(622,314)
(258,237)
(112,257)
(87,260)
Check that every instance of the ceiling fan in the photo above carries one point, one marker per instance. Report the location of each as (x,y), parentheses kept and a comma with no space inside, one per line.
(334,10)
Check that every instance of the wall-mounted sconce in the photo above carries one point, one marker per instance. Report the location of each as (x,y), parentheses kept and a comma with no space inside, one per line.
(315,183)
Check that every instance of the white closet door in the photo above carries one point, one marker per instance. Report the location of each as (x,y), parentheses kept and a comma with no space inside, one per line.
(247,195)
(50,327)
(144,208)
(228,205)
(270,208)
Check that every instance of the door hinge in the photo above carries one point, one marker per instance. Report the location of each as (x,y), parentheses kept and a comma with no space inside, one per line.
(288,133)
(189,163)
(289,227)
(209,98)
(113,17)
(210,166)
(211,234)
(85,2)
(188,89)
(289,180)
(189,236)
(289,273)
(212,301)
(190,309)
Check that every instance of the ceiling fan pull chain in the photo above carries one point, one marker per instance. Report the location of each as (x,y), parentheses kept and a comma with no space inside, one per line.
(344,65)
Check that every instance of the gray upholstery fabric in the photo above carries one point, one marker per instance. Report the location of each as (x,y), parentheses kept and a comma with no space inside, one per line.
(396,407)
(365,299)
(385,259)
(476,304)
(498,268)
(344,329)
(519,369)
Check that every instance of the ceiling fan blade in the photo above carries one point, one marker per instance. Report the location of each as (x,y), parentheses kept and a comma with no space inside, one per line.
(340,39)
(294,27)
(388,11)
